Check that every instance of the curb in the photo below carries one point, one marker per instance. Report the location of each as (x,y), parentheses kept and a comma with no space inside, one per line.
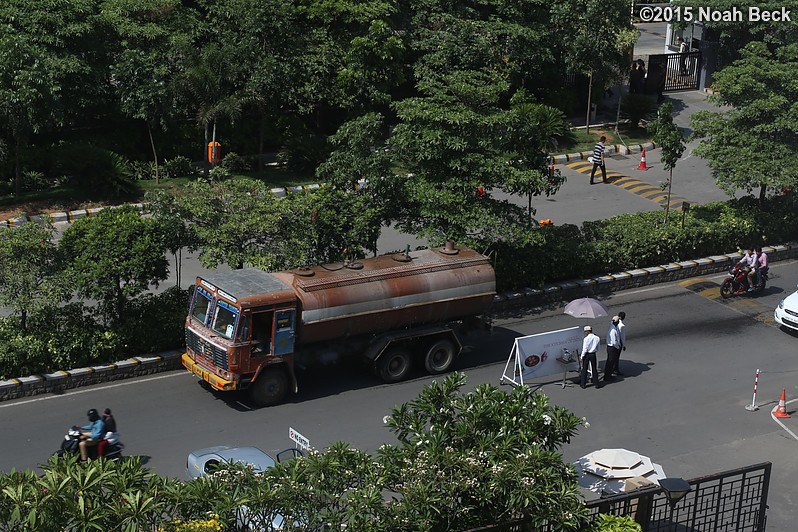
(614,148)
(59,381)
(506,303)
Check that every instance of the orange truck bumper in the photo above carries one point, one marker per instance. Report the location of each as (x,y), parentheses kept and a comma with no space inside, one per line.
(216,382)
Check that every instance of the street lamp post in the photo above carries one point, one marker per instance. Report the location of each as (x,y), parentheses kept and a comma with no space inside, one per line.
(675,489)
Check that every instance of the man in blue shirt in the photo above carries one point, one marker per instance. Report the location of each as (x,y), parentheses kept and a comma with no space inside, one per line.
(91,433)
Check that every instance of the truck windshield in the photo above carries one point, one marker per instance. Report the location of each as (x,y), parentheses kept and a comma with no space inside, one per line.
(202,300)
(225,320)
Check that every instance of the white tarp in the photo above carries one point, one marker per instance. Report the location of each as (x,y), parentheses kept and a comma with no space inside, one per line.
(536,355)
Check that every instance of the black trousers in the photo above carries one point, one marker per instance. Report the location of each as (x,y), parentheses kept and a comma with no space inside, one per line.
(613,356)
(589,358)
(603,171)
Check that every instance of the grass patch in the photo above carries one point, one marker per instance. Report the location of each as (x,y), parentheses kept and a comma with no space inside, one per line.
(586,141)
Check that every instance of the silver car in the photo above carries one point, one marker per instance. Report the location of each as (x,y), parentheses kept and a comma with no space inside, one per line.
(206,460)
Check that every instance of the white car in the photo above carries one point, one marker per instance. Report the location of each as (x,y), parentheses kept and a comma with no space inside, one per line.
(786,313)
(204,461)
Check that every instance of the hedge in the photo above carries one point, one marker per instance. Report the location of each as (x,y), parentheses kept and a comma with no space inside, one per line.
(555,253)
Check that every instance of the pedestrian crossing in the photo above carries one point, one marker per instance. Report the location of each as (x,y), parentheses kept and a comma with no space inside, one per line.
(742,304)
(632,185)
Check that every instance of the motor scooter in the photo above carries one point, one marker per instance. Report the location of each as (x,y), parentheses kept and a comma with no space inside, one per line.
(736,283)
(108,448)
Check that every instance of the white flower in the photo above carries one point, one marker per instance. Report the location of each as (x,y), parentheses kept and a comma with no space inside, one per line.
(386,419)
(546,419)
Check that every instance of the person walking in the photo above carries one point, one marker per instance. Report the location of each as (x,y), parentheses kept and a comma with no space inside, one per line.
(622,333)
(682,56)
(590,346)
(598,160)
(613,349)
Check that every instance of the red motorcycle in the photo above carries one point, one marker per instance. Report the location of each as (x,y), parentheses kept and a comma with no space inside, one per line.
(736,282)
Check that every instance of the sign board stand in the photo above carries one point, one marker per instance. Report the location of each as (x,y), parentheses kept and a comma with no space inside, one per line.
(539,355)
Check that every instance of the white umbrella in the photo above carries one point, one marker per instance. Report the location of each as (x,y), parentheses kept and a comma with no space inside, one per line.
(586,307)
(612,471)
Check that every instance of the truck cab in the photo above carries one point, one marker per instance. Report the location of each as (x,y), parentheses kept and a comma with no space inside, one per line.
(240,333)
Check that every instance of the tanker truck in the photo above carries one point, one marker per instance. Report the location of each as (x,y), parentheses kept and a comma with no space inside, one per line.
(251,329)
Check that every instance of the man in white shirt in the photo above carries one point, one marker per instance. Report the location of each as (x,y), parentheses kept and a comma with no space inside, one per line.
(589,347)
(613,349)
(622,332)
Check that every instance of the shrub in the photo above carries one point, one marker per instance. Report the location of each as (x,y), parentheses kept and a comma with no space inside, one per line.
(104,172)
(178,166)
(33,180)
(142,170)
(219,173)
(235,163)
(163,318)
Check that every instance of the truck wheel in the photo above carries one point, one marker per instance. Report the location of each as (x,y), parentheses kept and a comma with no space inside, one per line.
(270,387)
(394,365)
(439,356)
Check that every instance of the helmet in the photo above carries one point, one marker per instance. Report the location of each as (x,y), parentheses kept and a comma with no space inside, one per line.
(92,413)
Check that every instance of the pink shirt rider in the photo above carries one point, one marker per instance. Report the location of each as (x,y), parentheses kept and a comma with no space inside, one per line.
(763,260)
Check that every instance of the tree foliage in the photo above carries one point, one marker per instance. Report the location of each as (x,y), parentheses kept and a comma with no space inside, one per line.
(30,270)
(115,256)
(751,143)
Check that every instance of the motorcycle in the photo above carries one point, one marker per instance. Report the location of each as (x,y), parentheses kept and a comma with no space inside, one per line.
(109,448)
(736,282)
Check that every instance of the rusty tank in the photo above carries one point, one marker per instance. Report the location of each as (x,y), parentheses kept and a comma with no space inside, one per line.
(390,292)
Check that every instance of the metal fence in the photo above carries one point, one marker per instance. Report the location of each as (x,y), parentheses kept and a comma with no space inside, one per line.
(731,501)
(680,71)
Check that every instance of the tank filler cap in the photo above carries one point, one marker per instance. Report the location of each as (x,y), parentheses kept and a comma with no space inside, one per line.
(304,272)
(404,257)
(449,249)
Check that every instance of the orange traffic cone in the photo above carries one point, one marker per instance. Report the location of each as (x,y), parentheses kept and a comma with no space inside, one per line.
(642,165)
(781,411)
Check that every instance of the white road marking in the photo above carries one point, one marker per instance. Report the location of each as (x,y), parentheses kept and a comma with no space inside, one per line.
(78,392)
(772,412)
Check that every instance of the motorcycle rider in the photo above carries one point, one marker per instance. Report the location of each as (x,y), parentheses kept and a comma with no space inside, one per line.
(760,267)
(91,434)
(748,263)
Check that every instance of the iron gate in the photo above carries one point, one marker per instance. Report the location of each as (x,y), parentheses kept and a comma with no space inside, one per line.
(680,71)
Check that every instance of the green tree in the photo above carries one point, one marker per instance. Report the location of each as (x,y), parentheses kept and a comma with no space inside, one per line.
(49,66)
(144,65)
(236,222)
(472,459)
(751,143)
(114,257)
(30,269)
(535,132)
(172,223)
(671,144)
(600,36)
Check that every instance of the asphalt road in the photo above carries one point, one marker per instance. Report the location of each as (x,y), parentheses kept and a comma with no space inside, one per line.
(689,371)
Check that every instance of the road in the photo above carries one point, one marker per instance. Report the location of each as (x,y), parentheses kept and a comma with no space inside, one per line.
(689,371)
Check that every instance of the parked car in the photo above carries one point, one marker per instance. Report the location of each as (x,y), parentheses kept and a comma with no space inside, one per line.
(786,313)
(204,461)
